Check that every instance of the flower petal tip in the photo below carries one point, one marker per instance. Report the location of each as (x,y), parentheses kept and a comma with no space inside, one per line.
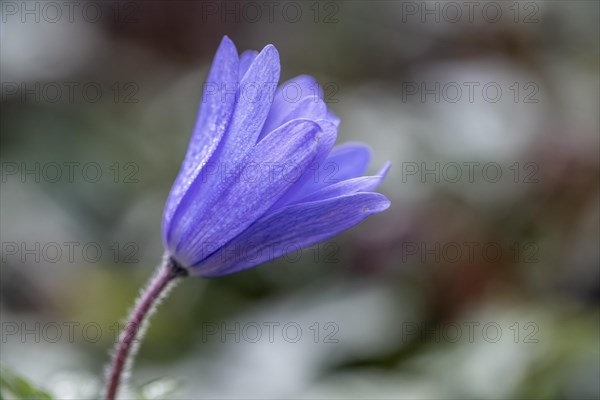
(385,169)
(271,52)
(227,42)
(381,204)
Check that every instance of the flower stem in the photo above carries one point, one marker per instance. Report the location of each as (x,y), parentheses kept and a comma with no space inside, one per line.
(159,285)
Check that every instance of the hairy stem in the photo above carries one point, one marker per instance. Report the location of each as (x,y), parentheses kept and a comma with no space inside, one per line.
(157,288)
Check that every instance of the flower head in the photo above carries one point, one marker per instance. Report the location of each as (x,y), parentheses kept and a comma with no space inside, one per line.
(261,176)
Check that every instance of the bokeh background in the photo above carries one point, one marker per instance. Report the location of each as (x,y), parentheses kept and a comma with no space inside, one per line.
(472,285)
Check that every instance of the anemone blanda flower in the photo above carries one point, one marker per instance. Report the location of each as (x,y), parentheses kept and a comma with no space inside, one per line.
(261,176)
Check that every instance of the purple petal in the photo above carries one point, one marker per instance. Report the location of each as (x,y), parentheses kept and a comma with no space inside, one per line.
(291,229)
(246,60)
(332,117)
(346,161)
(244,127)
(237,200)
(349,186)
(326,143)
(255,97)
(307,108)
(292,98)
(213,119)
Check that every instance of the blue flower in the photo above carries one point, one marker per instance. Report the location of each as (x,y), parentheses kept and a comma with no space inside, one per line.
(261,176)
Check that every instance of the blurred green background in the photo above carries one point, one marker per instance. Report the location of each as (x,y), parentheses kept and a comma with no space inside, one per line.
(481,281)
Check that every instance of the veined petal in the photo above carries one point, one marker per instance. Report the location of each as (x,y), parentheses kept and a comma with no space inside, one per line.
(350,160)
(213,119)
(293,90)
(255,96)
(349,186)
(236,201)
(346,161)
(246,123)
(291,229)
(292,98)
(326,143)
(308,107)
